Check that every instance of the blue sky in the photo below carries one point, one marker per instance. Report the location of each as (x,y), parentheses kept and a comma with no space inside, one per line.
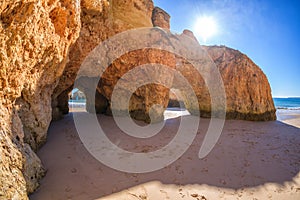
(267,31)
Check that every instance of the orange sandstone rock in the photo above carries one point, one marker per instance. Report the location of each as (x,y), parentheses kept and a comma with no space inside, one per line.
(160,18)
(34,40)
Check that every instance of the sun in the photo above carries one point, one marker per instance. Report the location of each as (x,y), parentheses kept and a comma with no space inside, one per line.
(205,27)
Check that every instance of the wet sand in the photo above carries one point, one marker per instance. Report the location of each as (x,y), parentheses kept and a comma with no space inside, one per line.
(252,160)
(291,117)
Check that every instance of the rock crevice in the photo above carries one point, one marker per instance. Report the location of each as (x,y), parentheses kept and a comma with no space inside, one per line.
(34,40)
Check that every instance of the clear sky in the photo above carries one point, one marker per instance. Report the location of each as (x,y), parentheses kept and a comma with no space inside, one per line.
(268,31)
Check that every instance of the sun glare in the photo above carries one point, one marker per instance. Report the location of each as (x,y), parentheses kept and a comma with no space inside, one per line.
(205,27)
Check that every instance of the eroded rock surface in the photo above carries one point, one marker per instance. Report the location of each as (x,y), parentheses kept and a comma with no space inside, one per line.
(35,37)
(196,67)
(160,18)
(151,97)
(248,92)
(100,22)
(34,41)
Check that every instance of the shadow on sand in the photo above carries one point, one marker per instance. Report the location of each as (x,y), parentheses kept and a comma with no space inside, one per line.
(248,154)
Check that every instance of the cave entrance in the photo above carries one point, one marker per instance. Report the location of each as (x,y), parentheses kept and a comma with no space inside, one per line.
(77,101)
(176,106)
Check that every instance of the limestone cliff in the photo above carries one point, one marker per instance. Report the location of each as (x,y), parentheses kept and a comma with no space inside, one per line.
(34,41)
(40,56)
(248,92)
(247,88)
(99,22)
(160,18)
(193,73)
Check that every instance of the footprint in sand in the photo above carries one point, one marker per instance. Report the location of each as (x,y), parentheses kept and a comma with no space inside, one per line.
(165,193)
(199,197)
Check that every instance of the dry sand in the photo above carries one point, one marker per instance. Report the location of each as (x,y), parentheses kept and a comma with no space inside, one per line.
(252,160)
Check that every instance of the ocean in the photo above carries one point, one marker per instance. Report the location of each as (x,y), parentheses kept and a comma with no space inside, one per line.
(280,103)
(287,103)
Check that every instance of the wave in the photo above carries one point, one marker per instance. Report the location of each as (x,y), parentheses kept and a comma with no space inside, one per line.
(288,108)
(75,104)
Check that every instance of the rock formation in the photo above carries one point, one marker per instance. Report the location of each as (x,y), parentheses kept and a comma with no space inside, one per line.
(34,41)
(248,93)
(160,18)
(100,22)
(193,72)
(247,88)
(146,97)
(37,72)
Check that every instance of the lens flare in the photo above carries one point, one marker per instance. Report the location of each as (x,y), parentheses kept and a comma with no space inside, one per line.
(205,27)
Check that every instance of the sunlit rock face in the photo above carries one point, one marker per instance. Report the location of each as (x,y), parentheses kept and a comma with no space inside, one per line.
(150,98)
(34,40)
(160,18)
(190,34)
(187,43)
(196,71)
(100,22)
(95,27)
(104,19)
(248,92)
(38,70)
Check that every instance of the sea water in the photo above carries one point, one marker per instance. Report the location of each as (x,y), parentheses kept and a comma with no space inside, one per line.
(283,105)
(287,108)
(287,103)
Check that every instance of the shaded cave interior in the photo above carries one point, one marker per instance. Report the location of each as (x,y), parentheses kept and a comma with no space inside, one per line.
(75,100)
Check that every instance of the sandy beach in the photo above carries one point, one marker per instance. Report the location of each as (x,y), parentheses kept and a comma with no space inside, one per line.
(252,160)
(291,117)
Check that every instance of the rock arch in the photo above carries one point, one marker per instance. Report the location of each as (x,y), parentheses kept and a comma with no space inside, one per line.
(40,60)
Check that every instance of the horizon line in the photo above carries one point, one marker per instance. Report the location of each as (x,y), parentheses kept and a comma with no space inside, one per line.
(285,96)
